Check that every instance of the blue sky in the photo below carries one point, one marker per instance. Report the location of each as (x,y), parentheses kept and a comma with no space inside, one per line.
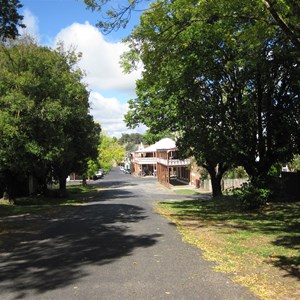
(69,21)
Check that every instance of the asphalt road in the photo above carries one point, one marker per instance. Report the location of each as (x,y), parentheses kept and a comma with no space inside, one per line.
(115,247)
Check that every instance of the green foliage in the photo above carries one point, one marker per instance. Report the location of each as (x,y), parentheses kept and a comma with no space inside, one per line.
(92,167)
(295,163)
(223,77)
(116,16)
(130,147)
(286,14)
(275,170)
(106,166)
(251,197)
(46,129)
(150,138)
(130,141)
(238,172)
(110,152)
(10,19)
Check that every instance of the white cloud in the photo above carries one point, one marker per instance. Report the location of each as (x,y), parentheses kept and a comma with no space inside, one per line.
(31,22)
(100,58)
(109,112)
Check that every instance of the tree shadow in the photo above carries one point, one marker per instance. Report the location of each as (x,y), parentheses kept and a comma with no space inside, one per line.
(291,265)
(108,193)
(113,193)
(61,254)
(281,221)
(111,183)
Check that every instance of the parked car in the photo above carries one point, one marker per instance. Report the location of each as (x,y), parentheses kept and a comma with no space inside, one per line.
(98,175)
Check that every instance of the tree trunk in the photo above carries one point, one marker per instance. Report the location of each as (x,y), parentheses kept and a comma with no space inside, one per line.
(63,187)
(216,186)
(10,190)
(216,171)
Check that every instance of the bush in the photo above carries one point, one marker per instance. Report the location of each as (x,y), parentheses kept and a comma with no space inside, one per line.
(251,197)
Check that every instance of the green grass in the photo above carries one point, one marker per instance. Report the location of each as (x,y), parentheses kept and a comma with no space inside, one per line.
(41,204)
(186,192)
(260,249)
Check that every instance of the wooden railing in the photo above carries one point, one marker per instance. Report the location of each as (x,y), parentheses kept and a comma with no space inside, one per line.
(145,160)
(173,162)
(165,162)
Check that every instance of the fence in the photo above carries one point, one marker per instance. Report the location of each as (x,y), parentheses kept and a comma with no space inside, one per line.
(226,184)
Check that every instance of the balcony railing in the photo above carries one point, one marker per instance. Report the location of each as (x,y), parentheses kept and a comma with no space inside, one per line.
(145,160)
(165,162)
(173,162)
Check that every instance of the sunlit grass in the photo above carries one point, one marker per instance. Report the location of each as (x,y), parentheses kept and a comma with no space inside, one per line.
(187,192)
(260,249)
(40,204)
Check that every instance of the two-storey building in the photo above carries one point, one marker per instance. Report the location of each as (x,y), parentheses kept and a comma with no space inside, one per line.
(160,160)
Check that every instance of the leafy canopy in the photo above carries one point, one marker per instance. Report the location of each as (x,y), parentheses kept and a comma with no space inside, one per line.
(216,73)
(110,152)
(45,127)
(10,19)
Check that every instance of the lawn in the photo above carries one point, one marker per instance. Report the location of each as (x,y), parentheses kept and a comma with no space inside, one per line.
(187,192)
(39,204)
(261,250)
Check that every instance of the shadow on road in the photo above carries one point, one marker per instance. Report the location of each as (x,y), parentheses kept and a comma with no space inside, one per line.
(111,183)
(80,237)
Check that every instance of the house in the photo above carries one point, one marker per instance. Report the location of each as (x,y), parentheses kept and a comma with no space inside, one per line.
(160,160)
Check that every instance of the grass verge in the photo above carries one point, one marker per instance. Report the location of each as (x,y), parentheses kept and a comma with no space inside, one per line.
(261,250)
(186,192)
(40,204)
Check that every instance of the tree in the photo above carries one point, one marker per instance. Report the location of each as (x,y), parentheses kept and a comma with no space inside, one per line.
(110,152)
(45,124)
(150,138)
(294,164)
(286,15)
(219,76)
(130,141)
(115,17)
(10,19)
(134,138)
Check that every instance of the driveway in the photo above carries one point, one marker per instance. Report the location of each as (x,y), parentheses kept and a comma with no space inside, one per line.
(115,248)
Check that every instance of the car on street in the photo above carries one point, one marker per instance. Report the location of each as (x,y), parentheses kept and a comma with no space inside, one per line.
(98,175)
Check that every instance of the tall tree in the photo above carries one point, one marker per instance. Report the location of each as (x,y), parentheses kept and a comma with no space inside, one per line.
(45,124)
(10,19)
(286,15)
(207,67)
(110,152)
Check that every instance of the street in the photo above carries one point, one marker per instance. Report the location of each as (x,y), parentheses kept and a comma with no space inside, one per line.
(115,247)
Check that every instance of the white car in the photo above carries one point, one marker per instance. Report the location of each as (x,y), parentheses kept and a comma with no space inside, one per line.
(98,175)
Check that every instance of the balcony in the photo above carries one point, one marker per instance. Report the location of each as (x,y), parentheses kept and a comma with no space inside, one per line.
(145,160)
(173,162)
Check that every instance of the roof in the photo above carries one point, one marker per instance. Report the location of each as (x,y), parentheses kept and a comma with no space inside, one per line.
(165,143)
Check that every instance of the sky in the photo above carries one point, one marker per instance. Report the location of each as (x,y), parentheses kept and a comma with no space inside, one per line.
(51,21)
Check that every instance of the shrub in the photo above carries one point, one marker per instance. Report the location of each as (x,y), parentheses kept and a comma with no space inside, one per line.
(251,197)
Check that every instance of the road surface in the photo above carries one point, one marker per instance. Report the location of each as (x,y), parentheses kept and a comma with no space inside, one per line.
(115,247)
